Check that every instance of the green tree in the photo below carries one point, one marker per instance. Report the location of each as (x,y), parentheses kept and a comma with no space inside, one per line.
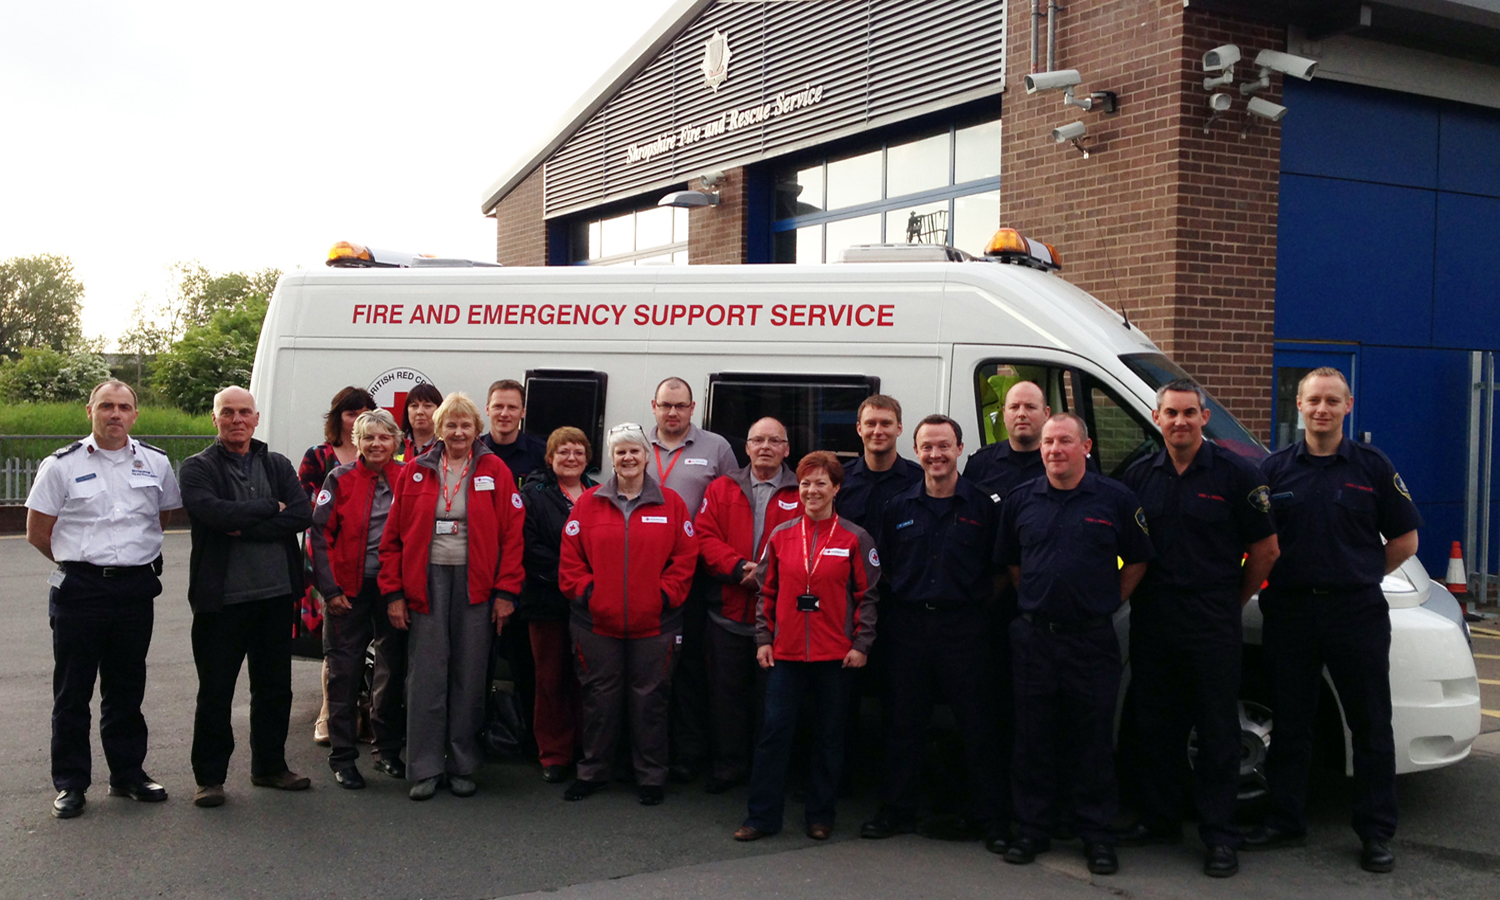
(197,295)
(41,304)
(210,357)
(43,375)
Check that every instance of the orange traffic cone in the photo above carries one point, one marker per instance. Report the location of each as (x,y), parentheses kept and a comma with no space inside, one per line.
(1458,582)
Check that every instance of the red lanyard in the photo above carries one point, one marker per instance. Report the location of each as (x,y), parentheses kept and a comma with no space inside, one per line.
(809,561)
(448,499)
(680,455)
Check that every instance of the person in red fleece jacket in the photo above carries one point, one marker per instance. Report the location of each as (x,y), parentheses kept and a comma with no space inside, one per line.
(814,626)
(450,564)
(627,560)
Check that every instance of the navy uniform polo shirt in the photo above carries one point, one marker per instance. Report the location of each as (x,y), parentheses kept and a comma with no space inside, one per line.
(1068,544)
(1000,468)
(936,550)
(524,455)
(865,493)
(1331,512)
(1202,520)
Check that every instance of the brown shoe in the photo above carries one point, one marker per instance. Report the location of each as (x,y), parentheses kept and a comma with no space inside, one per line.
(820,832)
(285,780)
(749,833)
(209,795)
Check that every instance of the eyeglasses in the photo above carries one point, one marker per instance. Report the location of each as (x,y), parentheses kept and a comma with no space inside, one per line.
(672,407)
(763,441)
(626,428)
(568,452)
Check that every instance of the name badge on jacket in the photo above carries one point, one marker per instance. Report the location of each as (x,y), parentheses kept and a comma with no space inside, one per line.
(835,551)
(484,483)
(446,526)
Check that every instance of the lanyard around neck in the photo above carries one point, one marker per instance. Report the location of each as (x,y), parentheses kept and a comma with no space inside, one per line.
(810,561)
(682,452)
(449,498)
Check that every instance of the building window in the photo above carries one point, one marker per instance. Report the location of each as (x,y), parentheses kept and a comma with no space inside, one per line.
(941,188)
(654,235)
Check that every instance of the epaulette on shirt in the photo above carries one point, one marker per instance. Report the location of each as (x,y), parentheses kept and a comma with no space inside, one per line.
(64,451)
(152,447)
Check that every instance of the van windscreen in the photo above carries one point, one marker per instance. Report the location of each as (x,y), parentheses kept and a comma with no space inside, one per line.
(1222,428)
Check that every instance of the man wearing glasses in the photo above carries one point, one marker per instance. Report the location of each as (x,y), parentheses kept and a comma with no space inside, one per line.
(687,459)
(740,510)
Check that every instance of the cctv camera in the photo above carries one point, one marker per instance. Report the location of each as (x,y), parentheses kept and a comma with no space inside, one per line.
(1220,58)
(1265,109)
(711,178)
(1052,81)
(1219,102)
(1069,132)
(1287,64)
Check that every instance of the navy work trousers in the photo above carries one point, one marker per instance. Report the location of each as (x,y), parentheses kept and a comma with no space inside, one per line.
(101,627)
(1067,686)
(790,683)
(1350,633)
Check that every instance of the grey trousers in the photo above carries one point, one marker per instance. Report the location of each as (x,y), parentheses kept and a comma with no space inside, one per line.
(448,654)
(619,676)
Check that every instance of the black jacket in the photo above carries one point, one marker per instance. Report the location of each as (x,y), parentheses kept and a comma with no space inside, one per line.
(547,510)
(204,481)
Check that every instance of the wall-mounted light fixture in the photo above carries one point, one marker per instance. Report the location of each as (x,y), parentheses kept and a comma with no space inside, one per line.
(690,199)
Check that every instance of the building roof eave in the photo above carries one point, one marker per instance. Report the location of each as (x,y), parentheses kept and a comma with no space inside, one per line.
(661,34)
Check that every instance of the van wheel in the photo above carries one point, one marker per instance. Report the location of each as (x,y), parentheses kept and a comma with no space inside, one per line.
(1255,743)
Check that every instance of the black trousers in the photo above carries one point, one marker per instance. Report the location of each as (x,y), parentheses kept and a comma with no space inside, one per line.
(1067,687)
(345,638)
(738,687)
(940,654)
(1186,677)
(101,628)
(689,706)
(261,632)
(1350,634)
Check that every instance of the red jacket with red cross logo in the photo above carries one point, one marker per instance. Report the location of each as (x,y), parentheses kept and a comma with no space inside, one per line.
(726,536)
(845,570)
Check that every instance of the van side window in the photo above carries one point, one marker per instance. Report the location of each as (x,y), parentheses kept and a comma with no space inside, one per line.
(558,397)
(1119,437)
(993,379)
(818,410)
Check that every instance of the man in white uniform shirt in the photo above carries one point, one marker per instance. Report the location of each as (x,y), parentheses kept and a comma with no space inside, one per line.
(97,509)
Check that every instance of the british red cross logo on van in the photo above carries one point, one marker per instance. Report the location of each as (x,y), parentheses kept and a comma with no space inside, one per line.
(390,388)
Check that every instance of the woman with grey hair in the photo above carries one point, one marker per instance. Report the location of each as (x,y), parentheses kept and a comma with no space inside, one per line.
(626,563)
(450,569)
(349,516)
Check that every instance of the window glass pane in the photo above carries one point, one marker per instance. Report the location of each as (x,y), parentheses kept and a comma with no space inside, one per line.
(847,232)
(975,218)
(809,245)
(653,227)
(664,260)
(818,415)
(922,223)
(977,152)
(1223,428)
(1119,439)
(854,180)
(679,224)
(618,235)
(916,166)
(993,380)
(555,398)
(680,258)
(799,192)
(596,244)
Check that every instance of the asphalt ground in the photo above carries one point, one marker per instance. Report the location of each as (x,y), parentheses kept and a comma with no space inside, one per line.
(517,838)
(1486,635)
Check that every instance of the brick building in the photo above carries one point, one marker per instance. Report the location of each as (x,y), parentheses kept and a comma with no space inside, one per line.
(1359,231)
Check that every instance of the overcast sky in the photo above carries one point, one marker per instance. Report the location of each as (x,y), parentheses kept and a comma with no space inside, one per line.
(140,134)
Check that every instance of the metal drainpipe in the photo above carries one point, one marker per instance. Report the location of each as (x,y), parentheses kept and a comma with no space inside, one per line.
(1036,30)
(1052,9)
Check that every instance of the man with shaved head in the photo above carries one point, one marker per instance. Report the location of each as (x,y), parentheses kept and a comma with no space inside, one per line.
(247,508)
(739,511)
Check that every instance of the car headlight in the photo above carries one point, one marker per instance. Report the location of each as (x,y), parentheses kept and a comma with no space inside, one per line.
(1400,592)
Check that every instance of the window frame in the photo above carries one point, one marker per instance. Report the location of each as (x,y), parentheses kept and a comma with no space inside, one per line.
(810,381)
(594,427)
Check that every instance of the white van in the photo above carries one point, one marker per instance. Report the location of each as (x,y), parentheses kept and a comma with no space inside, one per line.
(806,344)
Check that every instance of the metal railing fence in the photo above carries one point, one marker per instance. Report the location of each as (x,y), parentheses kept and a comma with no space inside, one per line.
(20,455)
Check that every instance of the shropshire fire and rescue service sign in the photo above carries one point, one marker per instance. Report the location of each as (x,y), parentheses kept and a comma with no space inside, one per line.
(729,120)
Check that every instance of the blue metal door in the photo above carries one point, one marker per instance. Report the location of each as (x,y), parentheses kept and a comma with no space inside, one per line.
(1292,361)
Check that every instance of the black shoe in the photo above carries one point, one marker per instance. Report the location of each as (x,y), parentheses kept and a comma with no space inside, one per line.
(713,785)
(997,840)
(887,823)
(582,789)
(68,804)
(682,773)
(1142,835)
(651,795)
(1267,838)
(1023,850)
(393,767)
(1101,858)
(349,778)
(554,774)
(143,789)
(1221,862)
(1375,856)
